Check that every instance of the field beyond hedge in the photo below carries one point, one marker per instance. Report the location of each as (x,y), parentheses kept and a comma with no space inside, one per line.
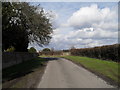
(105,68)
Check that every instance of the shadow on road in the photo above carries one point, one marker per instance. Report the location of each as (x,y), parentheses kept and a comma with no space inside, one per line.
(24,68)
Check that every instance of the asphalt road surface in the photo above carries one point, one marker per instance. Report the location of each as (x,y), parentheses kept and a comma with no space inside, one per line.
(62,73)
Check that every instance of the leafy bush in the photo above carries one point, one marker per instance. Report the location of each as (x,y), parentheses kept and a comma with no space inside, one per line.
(46,50)
(32,50)
(11,49)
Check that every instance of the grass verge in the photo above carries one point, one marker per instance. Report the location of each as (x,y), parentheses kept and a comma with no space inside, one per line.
(108,69)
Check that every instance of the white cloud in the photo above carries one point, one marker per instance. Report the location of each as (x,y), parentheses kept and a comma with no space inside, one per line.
(93,16)
(96,34)
(82,38)
(53,17)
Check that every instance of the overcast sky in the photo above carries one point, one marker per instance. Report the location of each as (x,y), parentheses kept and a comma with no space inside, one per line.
(81,24)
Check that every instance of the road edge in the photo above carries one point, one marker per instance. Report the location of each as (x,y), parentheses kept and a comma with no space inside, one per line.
(105,78)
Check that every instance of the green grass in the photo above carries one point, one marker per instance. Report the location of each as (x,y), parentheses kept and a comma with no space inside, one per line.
(106,68)
(21,69)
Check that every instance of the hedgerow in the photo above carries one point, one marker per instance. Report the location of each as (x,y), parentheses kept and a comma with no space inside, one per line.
(108,52)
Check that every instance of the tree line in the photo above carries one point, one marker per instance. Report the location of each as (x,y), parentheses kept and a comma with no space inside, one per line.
(23,24)
(107,52)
